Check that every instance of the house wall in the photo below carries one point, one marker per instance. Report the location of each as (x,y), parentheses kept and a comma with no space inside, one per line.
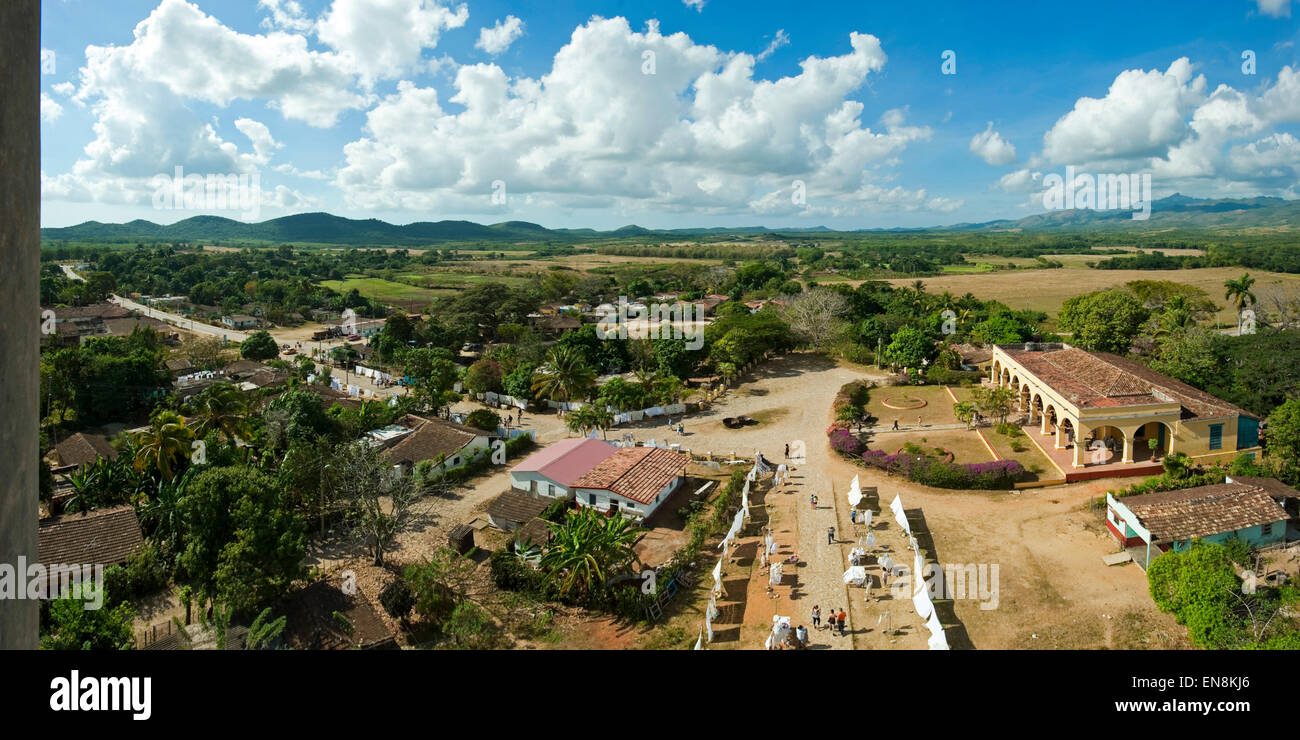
(539,484)
(1252,535)
(625,505)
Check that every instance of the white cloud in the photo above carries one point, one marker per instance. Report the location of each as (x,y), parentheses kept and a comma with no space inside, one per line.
(50,110)
(781,38)
(989,146)
(499,37)
(1275,8)
(286,15)
(1020,181)
(697,4)
(381,39)
(264,145)
(65,89)
(701,134)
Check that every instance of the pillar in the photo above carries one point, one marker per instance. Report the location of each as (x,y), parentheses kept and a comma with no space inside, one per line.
(20,318)
(1060,435)
(1043,430)
(1078,452)
(1128,449)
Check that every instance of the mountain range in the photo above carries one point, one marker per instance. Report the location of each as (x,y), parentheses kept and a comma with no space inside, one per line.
(1174,212)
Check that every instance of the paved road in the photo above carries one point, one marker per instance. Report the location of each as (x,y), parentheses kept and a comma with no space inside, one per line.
(72,275)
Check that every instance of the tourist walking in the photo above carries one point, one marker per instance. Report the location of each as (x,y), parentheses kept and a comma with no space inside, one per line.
(817,617)
(802,634)
(787,450)
(830,535)
(842,618)
(812,500)
(853,515)
(895,425)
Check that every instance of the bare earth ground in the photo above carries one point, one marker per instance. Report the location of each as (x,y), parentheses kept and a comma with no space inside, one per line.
(1053,590)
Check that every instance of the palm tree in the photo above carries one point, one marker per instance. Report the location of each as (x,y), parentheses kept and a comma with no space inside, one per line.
(165,444)
(564,376)
(1238,291)
(591,416)
(222,408)
(162,512)
(728,371)
(585,548)
(1177,317)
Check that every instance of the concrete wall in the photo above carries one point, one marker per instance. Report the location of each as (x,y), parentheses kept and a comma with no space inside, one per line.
(605,498)
(20,313)
(538,484)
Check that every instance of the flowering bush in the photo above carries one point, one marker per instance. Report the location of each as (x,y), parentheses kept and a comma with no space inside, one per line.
(845,443)
(940,473)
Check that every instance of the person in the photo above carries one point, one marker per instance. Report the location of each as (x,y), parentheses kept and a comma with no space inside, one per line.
(802,634)
(853,515)
(918,421)
(787,450)
(817,617)
(812,500)
(895,425)
(830,535)
(842,618)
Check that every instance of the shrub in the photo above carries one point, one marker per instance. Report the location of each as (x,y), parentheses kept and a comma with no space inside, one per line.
(845,443)
(485,419)
(397,599)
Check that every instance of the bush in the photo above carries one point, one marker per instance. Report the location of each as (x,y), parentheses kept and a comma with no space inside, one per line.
(397,599)
(509,573)
(845,443)
(485,419)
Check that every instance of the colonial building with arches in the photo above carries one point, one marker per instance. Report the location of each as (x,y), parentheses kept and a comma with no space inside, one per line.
(1110,410)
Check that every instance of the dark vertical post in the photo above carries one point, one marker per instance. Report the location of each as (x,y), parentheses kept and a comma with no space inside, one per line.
(20,218)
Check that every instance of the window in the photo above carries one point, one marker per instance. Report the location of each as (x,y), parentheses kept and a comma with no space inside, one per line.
(591,498)
(1216,436)
(1266,529)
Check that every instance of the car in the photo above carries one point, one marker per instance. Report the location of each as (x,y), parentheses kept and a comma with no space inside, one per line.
(291,351)
(354,337)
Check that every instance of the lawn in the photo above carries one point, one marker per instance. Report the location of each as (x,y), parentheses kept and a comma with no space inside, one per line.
(382,290)
(937,411)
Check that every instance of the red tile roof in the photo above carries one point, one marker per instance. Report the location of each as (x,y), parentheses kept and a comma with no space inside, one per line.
(430,439)
(83,449)
(638,473)
(1101,380)
(1204,511)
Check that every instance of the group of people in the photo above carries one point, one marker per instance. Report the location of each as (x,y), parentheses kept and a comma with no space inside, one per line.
(837,619)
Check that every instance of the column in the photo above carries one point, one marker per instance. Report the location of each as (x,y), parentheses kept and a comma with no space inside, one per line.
(1078,452)
(1128,449)
(1043,430)
(20,191)
(1060,435)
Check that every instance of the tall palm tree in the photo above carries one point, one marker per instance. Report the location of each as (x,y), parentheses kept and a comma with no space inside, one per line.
(586,548)
(161,513)
(591,416)
(1238,291)
(221,407)
(165,444)
(564,376)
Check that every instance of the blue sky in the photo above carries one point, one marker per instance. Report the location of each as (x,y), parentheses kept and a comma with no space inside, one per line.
(748,113)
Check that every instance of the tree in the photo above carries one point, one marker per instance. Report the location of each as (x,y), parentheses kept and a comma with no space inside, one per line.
(74,627)
(1106,321)
(381,498)
(910,348)
(1283,436)
(589,417)
(966,412)
(815,316)
(165,445)
(484,376)
(259,346)
(241,544)
(996,403)
(485,419)
(204,353)
(585,549)
(1238,291)
(1196,586)
(222,408)
(564,376)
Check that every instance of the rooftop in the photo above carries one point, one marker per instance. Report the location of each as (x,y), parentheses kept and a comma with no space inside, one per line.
(431,438)
(1207,510)
(517,506)
(638,473)
(567,460)
(83,449)
(100,537)
(1093,380)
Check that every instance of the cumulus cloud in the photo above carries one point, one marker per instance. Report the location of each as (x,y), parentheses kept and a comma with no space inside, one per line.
(989,146)
(381,39)
(286,15)
(499,37)
(701,133)
(697,4)
(50,110)
(260,136)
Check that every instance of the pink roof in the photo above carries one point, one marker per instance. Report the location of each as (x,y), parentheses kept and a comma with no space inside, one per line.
(567,460)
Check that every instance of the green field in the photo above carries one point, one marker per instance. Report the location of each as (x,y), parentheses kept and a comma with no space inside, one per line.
(383,290)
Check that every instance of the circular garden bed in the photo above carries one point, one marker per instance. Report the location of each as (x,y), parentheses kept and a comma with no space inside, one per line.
(906,403)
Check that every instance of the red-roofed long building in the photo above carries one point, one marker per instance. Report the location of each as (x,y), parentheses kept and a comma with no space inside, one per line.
(1117,409)
(553,471)
(634,481)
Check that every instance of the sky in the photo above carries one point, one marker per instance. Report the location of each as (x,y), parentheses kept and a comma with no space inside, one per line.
(661,113)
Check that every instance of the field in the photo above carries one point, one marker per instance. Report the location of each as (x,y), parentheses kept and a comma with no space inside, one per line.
(384,290)
(1046,290)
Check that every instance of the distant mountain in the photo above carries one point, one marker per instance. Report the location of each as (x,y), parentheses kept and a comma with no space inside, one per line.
(1175,212)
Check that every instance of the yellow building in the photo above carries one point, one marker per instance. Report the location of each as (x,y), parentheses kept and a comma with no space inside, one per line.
(1124,412)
